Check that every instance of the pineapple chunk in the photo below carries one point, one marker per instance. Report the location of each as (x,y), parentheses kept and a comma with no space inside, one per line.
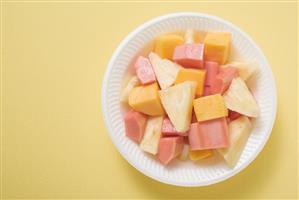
(239,131)
(177,102)
(152,135)
(133,82)
(246,70)
(239,99)
(200,154)
(165,70)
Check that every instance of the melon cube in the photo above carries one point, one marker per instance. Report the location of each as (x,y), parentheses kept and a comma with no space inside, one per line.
(217,46)
(144,70)
(169,148)
(134,125)
(223,80)
(145,99)
(209,107)
(210,134)
(192,75)
(169,130)
(200,154)
(189,55)
(165,44)
(212,69)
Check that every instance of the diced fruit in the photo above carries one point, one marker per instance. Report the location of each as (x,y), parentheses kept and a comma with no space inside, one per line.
(169,130)
(232,115)
(238,98)
(134,125)
(200,154)
(239,131)
(212,69)
(210,134)
(169,148)
(152,135)
(185,152)
(217,46)
(189,36)
(209,107)
(144,70)
(133,82)
(207,91)
(165,45)
(145,99)
(246,69)
(189,55)
(165,70)
(177,102)
(192,75)
(223,80)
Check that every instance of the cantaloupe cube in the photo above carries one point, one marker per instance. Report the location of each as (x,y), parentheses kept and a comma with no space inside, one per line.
(192,75)
(134,125)
(165,45)
(169,148)
(145,99)
(209,107)
(217,46)
(200,154)
(223,80)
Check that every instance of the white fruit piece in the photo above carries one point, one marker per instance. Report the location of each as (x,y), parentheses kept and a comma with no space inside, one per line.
(152,135)
(185,153)
(238,98)
(177,102)
(165,70)
(239,131)
(188,37)
(246,69)
(133,82)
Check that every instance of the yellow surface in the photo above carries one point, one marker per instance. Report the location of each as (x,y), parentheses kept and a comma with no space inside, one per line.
(165,45)
(200,154)
(209,107)
(55,144)
(192,75)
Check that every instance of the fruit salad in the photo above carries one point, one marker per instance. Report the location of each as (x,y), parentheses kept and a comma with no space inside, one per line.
(189,100)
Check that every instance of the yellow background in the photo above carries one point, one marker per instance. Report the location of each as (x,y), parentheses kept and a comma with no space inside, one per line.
(55,144)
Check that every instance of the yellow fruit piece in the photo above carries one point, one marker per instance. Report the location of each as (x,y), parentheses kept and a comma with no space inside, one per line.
(200,154)
(209,107)
(217,46)
(145,99)
(165,45)
(192,75)
(133,82)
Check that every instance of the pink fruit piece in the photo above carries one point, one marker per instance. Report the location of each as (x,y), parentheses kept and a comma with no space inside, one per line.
(210,134)
(134,125)
(223,80)
(169,148)
(206,91)
(189,55)
(232,115)
(169,130)
(144,70)
(212,71)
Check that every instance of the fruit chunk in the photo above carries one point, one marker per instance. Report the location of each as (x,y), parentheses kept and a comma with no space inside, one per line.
(169,148)
(239,99)
(189,55)
(207,91)
(209,107)
(246,69)
(165,70)
(212,71)
(165,44)
(169,130)
(145,99)
(200,154)
(223,80)
(133,82)
(239,131)
(152,135)
(177,102)
(192,75)
(232,115)
(210,134)
(217,45)
(134,125)
(144,70)
(188,37)
(185,152)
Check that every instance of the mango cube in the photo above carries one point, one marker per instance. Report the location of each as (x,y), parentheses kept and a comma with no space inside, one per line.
(165,45)
(192,75)
(145,99)
(217,46)
(210,107)
(200,154)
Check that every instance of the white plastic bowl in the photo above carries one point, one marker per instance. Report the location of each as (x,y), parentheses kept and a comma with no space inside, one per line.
(186,173)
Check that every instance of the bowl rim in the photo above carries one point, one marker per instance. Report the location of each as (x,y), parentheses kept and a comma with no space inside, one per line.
(136,165)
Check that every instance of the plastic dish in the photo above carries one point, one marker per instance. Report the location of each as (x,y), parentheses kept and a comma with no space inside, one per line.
(186,173)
